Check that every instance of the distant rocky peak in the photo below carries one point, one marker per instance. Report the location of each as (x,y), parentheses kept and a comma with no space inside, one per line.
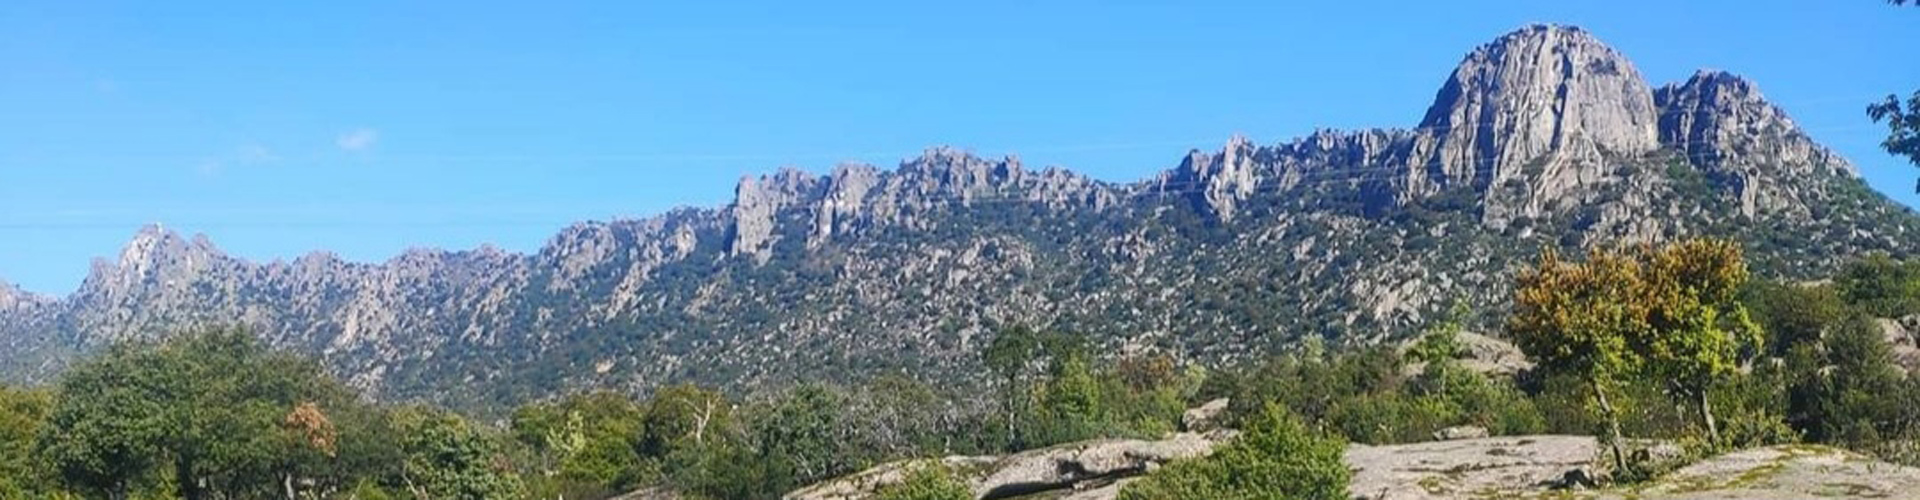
(1544,91)
(13,298)
(1724,126)
(960,173)
(154,245)
(156,258)
(1713,108)
(1218,182)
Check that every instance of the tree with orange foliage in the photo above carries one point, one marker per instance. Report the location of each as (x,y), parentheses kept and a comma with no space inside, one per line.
(313,428)
(1668,310)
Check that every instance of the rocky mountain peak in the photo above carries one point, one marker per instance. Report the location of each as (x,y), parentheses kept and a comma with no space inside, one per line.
(155,258)
(1707,112)
(1729,130)
(1542,105)
(154,247)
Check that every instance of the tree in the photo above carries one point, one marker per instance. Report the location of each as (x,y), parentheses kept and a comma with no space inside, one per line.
(1024,360)
(801,434)
(898,416)
(1670,310)
(445,457)
(103,437)
(1570,318)
(1011,357)
(1793,315)
(1277,457)
(1697,333)
(1881,285)
(1844,389)
(204,411)
(682,415)
(22,413)
(1071,405)
(589,441)
(1903,123)
(313,440)
(1903,126)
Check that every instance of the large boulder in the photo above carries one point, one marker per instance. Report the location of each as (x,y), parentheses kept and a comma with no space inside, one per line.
(1065,466)
(1205,417)
(1460,432)
(1900,335)
(1484,354)
(867,483)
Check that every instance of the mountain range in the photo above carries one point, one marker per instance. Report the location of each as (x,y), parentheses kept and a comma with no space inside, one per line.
(1544,138)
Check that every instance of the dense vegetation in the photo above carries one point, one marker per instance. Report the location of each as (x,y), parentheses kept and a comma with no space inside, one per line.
(1673,343)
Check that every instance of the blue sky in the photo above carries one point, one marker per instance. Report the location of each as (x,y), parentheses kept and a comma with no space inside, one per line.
(365,128)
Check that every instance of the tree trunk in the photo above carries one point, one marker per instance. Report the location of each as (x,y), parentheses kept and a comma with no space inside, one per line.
(287,482)
(1008,405)
(1706,413)
(189,486)
(417,491)
(1613,427)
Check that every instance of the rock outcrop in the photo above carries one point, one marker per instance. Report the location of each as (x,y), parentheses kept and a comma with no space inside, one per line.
(868,483)
(1903,338)
(1063,467)
(1460,432)
(1206,417)
(1090,470)
(1483,354)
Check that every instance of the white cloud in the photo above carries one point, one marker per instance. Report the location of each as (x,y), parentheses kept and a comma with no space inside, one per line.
(357,140)
(245,155)
(255,154)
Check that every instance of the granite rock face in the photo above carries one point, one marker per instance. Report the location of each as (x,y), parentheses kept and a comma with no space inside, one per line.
(1543,138)
(1544,107)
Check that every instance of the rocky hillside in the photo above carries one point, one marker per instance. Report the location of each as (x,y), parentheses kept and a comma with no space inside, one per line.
(1543,138)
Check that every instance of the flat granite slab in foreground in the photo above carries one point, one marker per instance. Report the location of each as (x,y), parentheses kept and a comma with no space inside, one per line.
(1536,467)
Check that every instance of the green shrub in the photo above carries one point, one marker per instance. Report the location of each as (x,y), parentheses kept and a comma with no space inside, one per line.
(1277,457)
(1882,286)
(931,482)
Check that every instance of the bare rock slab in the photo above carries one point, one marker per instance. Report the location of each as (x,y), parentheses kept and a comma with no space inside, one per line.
(1498,467)
(1783,473)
